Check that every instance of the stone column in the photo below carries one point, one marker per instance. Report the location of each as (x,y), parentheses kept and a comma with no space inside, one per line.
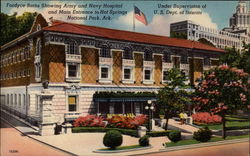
(47,120)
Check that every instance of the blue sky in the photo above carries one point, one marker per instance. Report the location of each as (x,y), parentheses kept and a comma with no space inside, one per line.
(215,15)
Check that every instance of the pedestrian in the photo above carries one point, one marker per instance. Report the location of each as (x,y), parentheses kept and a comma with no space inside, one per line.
(185,116)
(182,118)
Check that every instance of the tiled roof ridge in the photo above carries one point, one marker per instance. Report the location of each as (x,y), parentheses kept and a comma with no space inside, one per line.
(191,43)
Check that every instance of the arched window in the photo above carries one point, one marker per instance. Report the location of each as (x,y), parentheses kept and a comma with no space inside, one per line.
(72,48)
(38,47)
(105,51)
(148,55)
(38,27)
(127,53)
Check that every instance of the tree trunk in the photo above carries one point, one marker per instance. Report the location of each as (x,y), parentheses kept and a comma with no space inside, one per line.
(167,118)
(223,126)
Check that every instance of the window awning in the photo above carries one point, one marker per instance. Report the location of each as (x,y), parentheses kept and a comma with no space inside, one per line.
(125,99)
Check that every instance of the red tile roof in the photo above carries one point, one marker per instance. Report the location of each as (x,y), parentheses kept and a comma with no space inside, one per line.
(60,26)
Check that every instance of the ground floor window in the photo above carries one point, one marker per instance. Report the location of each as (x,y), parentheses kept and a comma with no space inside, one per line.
(121,107)
(72,103)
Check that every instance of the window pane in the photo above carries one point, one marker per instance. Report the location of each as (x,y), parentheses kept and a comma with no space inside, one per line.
(147,74)
(72,103)
(72,70)
(126,73)
(104,72)
(165,75)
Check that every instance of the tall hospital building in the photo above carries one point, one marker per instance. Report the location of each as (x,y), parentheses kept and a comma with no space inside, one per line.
(52,74)
(233,36)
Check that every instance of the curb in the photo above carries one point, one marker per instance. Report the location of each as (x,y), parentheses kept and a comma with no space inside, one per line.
(37,139)
(125,150)
(183,147)
(205,144)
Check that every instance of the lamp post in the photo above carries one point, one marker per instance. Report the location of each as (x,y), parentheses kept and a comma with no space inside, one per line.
(150,108)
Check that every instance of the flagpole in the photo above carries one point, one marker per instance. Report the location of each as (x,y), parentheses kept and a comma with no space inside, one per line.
(134,19)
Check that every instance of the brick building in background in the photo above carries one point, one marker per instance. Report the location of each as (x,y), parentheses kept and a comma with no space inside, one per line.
(80,60)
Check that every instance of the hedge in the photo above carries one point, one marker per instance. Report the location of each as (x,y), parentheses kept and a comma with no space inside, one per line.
(237,127)
(129,132)
(158,133)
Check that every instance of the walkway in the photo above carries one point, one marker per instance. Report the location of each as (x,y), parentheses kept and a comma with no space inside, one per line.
(236,149)
(13,143)
(185,127)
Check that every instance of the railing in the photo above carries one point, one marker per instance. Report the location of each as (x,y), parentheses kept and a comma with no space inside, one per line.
(73,58)
(128,62)
(72,116)
(105,60)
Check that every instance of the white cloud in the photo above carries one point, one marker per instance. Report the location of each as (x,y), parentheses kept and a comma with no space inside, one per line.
(45,11)
(160,24)
(126,22)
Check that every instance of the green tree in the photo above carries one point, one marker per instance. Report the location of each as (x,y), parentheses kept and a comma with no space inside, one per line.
(234,58)
(223,90)
(182,35)
(173,96)
(13,26)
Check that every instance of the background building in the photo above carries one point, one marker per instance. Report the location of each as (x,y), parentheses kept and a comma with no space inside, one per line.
(52,73)
(227,37)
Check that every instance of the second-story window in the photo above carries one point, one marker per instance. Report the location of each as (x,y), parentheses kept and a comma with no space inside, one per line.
(38,47)
(105,52)
(72,48)
(148,56)
(176,61)
(127,54)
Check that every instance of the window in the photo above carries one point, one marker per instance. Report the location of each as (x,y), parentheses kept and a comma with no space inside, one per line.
(148,56)
(104,73)
(72,102)
(127,54)
(105,52)
(127,73)
(38,70)
(20,100)
(147,74)
(24,100)
(72,70)
(15,100)
(165,75)
(8,100)
(176,62)
(72,48)
(38,47)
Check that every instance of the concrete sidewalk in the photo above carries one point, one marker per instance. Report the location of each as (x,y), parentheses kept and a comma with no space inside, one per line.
(82,144)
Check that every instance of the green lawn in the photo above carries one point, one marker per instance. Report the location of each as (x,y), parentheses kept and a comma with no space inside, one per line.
(213,139)
(123,147)
(229,123)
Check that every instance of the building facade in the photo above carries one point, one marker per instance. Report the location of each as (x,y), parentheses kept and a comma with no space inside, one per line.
(59,67)
(232,36)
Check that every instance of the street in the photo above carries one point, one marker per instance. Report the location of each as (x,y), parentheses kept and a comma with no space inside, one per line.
(236,149)
(13,143)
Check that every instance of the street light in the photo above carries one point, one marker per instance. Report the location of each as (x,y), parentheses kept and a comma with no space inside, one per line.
(150,108)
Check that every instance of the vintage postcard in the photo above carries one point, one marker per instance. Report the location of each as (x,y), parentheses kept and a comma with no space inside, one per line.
(116,77)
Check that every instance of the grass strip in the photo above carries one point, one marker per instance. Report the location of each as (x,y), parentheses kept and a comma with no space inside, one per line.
(213,139)
(122,148)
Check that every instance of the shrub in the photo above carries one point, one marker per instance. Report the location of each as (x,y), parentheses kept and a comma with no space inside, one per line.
(158,133)
(144,141)
(89,121)
(112,139)
(174,136)
(203,134)
(205,117)
(129,132)
(119,121)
